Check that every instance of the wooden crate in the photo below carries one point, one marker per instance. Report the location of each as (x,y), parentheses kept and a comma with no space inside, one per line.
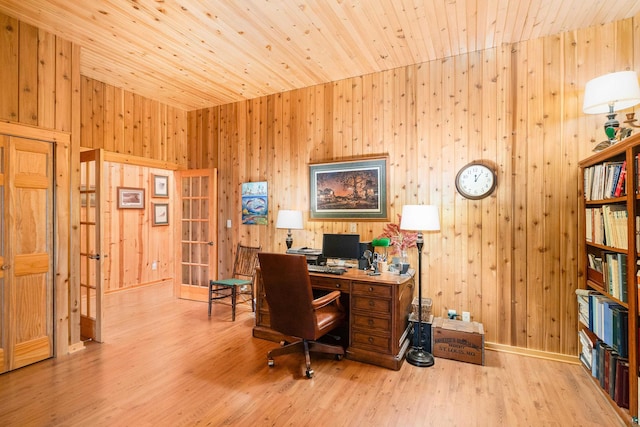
(458,340)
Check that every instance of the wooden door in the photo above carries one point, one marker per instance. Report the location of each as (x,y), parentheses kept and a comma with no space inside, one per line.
(26,252)
(198,253)
(91,252)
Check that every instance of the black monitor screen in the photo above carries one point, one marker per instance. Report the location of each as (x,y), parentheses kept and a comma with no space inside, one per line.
(341,246)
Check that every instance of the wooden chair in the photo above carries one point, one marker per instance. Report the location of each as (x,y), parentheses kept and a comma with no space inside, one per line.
(294,312)
(241,281)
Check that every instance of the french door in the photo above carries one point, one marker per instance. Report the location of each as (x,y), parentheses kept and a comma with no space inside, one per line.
(91,252)
(198,226)
(26,251)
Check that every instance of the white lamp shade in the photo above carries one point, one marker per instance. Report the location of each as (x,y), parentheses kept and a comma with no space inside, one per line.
(618,89)
(289,219)
(420,218)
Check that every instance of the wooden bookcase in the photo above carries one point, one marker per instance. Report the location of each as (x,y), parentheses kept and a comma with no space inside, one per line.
(618,254)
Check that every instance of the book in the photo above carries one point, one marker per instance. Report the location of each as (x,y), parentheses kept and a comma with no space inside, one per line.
(620,185)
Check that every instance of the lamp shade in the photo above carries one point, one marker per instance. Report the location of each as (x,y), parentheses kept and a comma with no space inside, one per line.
(289,219)
(619,90)
(420,218)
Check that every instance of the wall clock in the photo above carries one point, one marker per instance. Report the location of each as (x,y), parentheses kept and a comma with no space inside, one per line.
(476,181)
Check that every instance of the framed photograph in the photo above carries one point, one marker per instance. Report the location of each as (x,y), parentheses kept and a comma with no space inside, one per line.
(255,203)
(353,189)
(160,186)
(160,214)
(130,198)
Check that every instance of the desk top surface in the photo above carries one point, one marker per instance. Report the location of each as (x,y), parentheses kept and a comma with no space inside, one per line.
(363,276)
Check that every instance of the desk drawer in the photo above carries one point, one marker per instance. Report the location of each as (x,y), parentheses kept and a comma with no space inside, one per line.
(371,304)
(369,341)
(362,321)
(382,291)
(330,283)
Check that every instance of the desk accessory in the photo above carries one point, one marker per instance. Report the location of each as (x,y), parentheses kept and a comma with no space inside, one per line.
(420,218)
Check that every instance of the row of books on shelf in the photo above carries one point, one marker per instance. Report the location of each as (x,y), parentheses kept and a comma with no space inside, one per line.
(607,225)
(607,366)
(605,318)
(605,180)
(614,273)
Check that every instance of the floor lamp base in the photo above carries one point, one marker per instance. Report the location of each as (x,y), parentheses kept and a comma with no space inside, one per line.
(418,357)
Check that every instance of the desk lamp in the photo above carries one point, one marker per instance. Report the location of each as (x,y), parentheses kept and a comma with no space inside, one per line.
(291,220)
(609,93)
(419,218)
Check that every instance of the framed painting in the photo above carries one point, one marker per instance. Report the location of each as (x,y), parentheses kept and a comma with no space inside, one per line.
(160,186)
(353,189)
(160,214)
(130,198)
(255,205)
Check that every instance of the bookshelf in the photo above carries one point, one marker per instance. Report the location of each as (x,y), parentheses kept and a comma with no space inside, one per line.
(608,260)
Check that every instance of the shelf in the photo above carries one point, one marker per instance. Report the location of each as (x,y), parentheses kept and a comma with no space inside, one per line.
(618,215)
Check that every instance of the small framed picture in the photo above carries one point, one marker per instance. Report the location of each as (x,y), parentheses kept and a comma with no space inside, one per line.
(160,213)
(160,186)
(130,198)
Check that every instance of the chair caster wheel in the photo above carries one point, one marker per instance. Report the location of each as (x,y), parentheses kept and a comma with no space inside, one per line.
(309,373)
(339,356)
(271,363)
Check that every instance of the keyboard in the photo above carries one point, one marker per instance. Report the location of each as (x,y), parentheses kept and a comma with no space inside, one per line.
(326,269)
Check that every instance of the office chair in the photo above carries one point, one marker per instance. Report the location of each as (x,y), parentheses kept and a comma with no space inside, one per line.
(293,310)
(241,281)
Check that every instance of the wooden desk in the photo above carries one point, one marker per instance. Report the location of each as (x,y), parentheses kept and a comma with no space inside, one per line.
(378,331)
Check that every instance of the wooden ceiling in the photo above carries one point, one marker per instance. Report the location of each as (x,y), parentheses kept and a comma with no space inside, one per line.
(193,54)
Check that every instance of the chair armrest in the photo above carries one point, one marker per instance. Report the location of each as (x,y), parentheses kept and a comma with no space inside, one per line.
(326,299)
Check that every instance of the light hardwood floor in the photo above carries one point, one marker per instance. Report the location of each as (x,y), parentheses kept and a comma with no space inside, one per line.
(165,363)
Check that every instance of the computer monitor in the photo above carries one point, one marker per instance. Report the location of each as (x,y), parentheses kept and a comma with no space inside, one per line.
(341,246)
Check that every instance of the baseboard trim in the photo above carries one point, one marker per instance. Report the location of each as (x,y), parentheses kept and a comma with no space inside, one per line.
(558,357)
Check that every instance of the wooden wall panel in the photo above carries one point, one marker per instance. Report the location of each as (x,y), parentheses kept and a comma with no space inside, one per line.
(39,83)
(119,121)
(509,259)
(132,244)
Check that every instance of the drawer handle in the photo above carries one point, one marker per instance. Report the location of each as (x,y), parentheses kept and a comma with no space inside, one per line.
(370,322)
(370,339)
(370,289)
(372,303)
(338,285)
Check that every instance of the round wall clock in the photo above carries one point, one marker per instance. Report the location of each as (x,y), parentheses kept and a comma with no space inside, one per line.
(475,181)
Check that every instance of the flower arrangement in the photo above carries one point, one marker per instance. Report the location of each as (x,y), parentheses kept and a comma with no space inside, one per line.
(401,240)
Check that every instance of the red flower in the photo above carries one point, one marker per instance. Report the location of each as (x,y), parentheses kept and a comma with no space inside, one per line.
(401,240)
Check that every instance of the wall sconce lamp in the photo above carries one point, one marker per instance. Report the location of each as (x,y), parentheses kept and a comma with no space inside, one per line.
(291,220)
(419,218)
(610,93)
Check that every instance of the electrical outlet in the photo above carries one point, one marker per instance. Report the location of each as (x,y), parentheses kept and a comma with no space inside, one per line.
(466,316)
(154,265)
(452,314)
(352,227)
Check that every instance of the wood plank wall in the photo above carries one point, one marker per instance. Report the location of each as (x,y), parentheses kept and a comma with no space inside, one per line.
(40,87)
(509,259)
(119,121)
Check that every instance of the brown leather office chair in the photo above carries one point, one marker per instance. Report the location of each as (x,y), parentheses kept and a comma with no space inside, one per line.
(241,281)
(293,310)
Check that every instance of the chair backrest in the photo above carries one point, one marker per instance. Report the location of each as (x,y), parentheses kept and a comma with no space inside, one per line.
(246,261)
(287,287)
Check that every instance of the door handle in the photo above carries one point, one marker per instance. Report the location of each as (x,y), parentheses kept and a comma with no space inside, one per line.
(4,267)
(96,256)
(210,243)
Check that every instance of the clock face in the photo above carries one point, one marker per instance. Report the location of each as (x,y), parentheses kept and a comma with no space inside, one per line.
(475,181)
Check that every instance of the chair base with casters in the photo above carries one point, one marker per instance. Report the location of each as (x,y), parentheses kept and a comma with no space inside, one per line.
(308,347)
(219,289)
